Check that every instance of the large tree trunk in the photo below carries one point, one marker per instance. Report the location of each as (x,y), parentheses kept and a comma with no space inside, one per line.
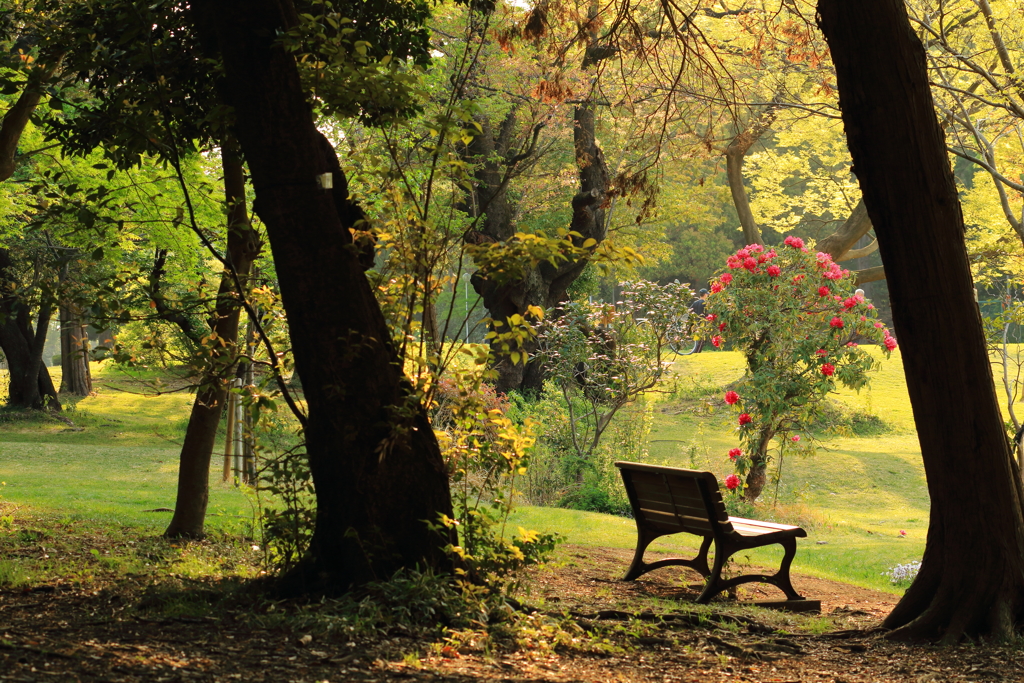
(972,575)
(200,435)
(376,465)
(30,384)
(75,377)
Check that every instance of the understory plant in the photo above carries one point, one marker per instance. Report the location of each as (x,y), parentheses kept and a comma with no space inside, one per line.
(795,317)
(600,359)
(486,453)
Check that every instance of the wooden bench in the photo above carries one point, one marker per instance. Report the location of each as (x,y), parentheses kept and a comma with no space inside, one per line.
(670,500)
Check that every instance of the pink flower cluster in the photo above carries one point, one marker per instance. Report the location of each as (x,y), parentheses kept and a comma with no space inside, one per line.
(828,369)
(731,397)
(836,322)
(735,453)
(794,242)
(745,419)
(732,482)
(716,341)
(889,341)
(749,258)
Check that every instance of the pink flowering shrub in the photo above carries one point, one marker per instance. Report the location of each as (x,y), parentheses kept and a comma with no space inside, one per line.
(794,315)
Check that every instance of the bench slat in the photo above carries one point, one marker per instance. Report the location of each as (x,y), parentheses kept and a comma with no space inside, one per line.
(756,522)
(669,521)
(663,503)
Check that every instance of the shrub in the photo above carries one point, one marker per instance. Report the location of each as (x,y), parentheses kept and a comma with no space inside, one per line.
(797,321)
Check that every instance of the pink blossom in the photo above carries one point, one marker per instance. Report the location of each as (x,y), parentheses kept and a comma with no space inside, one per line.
(852,344)
(716,341)
(734,262)
(745,419)
(749,263)
(823,258)
(890,342)
(836,322)
(798,278)
(828,369)
(731,397)
(732,481)
(821,352)
(794,438)
(879,326)
(902,533)
(711,318)
(849,303)
(716,288)
(743,253)
(755,248)
(863,318)
(823,291)
(794,242)
(721,327)
(735,453)
(761,258)
(871,307)
(726,278)
(774,271)
(771,254)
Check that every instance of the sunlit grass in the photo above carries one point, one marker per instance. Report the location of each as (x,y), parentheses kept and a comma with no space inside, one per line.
(118,460)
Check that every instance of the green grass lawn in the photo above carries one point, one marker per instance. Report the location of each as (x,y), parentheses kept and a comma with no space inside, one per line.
(854,496)
(118,461)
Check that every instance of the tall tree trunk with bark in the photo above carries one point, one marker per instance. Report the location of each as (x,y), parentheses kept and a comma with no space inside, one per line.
(376,465)
(734,155)
(971,581)
(201,434)
(75,377)
(546,285)
(22,342)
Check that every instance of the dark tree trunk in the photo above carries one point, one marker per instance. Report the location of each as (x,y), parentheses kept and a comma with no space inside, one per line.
(544,285)
(30,384)
(75,378)
(972,575)
(201,434)
(376,465)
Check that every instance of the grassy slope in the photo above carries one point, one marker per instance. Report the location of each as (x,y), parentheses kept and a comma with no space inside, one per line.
(853,497)
(121,464)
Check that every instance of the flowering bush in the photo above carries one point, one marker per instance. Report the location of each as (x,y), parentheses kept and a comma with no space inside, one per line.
(903,574)
(794,316)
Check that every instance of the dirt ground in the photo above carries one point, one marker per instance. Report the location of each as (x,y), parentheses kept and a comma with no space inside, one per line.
(90,632)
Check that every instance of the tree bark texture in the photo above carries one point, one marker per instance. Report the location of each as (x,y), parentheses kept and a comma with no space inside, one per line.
(200,436)
(376,465)
(546,285)
(734,154)
(22,344)
(972,576)
(75,377)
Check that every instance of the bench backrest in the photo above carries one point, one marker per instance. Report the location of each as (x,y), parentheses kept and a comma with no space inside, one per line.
(671,499)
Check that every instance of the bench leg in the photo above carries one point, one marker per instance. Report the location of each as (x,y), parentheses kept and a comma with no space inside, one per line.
(700,563)
(714,578)
(782,578)
(637,567)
